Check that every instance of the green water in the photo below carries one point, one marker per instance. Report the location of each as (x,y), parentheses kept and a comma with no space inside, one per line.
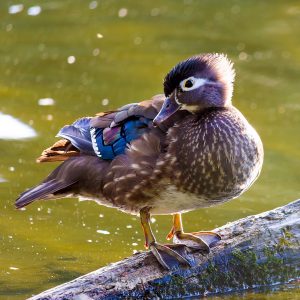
(123,59)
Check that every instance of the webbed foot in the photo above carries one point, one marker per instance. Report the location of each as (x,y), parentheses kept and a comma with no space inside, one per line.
(202,240)
(170,256)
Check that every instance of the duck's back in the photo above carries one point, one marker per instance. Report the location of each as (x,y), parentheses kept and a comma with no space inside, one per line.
(215,155)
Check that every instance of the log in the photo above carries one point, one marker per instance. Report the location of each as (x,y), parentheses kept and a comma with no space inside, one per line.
(255,251)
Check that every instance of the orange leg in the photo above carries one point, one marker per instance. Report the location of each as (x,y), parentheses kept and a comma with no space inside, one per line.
(201,239)
(166,256)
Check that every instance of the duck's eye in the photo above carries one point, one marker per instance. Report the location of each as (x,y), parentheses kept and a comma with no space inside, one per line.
(188,84)
(192,83)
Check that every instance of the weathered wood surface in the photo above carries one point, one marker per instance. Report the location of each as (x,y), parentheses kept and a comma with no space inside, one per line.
(255,251)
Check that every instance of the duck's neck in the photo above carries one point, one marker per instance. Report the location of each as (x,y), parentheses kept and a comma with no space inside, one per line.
(199,110)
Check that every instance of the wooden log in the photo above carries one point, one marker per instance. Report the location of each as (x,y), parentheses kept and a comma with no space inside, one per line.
(255,251)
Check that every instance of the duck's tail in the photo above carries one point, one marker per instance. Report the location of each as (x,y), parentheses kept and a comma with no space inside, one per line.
(52,187)
(45,190)
(81,174)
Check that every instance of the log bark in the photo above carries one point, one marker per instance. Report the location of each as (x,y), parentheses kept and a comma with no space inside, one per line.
(255,251)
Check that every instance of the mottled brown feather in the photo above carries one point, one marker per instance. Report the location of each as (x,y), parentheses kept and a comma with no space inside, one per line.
(131,176)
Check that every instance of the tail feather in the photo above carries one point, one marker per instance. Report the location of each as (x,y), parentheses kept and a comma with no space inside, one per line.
(76,175)
(43,191)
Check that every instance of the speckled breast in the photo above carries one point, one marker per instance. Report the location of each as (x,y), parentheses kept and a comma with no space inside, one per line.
(216,155)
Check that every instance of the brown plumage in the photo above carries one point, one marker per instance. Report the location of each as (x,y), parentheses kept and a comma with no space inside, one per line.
(167,155)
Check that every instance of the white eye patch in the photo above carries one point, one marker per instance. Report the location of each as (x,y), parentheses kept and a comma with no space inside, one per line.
(192,83)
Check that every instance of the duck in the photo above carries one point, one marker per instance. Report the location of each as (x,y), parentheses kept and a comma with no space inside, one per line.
(180,151)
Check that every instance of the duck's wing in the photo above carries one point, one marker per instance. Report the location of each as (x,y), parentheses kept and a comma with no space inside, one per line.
(107,134)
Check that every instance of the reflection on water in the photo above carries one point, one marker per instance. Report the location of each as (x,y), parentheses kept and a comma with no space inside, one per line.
(13,129)
(61,60)
(31,11)
(16,8)
(280,292)
(46,101)
(34,10)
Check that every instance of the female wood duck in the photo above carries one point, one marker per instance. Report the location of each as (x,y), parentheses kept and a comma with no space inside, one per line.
(168,155)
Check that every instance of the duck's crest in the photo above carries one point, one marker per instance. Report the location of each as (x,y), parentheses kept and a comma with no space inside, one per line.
(212,66)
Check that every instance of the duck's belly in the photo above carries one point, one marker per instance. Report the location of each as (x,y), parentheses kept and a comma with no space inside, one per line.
(171,201)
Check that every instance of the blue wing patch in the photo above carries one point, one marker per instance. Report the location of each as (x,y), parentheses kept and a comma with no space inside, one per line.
(110,142)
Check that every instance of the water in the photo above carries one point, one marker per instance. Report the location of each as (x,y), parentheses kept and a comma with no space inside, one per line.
(89,56)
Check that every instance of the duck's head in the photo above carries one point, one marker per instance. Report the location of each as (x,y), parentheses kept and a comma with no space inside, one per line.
(197,83)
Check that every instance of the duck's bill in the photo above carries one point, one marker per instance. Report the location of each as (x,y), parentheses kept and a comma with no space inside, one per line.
(169,108)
